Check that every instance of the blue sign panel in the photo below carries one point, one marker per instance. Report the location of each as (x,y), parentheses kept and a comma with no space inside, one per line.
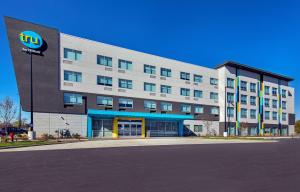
(31,39)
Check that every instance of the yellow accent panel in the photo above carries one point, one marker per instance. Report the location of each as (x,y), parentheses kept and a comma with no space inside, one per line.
(263,125)
(239,107)
(115,128)
(143,128)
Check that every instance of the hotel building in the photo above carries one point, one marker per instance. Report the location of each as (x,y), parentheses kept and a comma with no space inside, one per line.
(104,91)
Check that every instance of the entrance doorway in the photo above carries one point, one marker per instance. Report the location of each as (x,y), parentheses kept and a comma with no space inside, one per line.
(129,128)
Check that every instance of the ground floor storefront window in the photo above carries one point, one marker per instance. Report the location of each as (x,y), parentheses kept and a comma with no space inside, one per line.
(156,128)
(102,128)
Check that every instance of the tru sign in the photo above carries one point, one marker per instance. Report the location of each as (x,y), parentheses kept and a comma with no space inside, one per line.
(31,39)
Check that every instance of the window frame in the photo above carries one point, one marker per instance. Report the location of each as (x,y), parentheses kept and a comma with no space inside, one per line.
(75,74)
(129,84)
(149,69)
(185,76)
(127,105)
(151,85)
(128,64)
(106,98)
(150,108)
(106,79)
(200,77)
(167,71)
(168,87)
(108,60)
(185,90)
(168,105)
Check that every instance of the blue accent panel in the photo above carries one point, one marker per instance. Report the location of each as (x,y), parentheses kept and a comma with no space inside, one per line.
(180,129)
(89,127)
(93,112)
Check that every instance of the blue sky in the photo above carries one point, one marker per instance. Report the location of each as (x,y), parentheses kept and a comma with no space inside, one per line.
(263,34)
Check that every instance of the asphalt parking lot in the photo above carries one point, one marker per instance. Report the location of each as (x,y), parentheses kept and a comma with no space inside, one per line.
(218,167)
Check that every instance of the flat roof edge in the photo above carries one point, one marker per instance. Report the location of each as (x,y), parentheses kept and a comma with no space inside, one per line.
(255,70)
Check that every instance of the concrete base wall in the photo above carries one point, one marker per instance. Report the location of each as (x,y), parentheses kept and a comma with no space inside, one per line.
(209,127)
(291,129)
(50,122)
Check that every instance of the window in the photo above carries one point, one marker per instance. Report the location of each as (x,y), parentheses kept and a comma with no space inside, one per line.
(184,76)
(253,87)
(105,101)
(283,116)
(214,96)
(252,100)
(165,72)
(185,92)
(213,81)
(166,106)
(274,91)
(198,93)
(267,102)
(267,90)
(198,128)
(125,103)
(230,112)
(72,76)
(243,85)
(267,115)
(72,54)
(274,103)
(214,110)
(103,80)
(283,93)
(230,98)
(150,105)
(165,89)
(198,78)
(123,64)
(244,99)
(244,113)
(274,115)
(230,83)
(149,69)
(103,60)
(283,104)
(72,98)
(252,113)
(149,87)
(199,109)
(185,108)
(124,83)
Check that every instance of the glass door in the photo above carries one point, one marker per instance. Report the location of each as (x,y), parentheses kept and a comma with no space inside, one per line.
(129,128)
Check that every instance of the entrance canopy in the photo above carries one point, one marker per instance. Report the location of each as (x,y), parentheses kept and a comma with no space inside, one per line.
(109,113)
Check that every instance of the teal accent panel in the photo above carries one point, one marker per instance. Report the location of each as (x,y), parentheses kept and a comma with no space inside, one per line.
(180,129)
(110,113)
(89,127)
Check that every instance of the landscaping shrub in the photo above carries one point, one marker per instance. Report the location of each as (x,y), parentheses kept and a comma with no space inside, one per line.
(76,136)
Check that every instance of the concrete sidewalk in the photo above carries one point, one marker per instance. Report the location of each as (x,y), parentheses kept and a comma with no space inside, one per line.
(133,142)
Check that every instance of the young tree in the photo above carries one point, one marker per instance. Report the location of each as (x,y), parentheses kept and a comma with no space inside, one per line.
(7,111)
(208,124)
(297,126)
